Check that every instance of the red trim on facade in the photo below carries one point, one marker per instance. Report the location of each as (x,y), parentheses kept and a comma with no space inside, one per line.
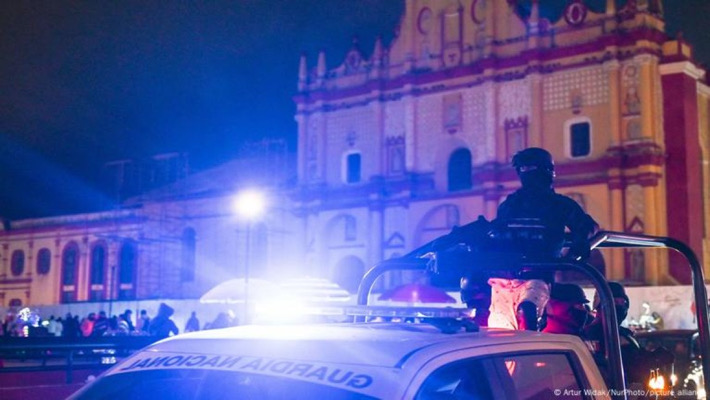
(684,186)
(533,56)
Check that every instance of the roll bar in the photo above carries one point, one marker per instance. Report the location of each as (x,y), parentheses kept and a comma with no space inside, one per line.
(419,260)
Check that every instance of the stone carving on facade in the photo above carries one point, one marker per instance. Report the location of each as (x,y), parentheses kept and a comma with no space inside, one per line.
(395,155)
(516,135)
(632,101)
(634,203)
(452,113)
(451,34)
(576,101)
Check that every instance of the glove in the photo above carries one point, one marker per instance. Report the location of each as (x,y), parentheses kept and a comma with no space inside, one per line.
(579,251)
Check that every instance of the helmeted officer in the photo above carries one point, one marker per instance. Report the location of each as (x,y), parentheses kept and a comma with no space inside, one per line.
(537,201)
(519,303)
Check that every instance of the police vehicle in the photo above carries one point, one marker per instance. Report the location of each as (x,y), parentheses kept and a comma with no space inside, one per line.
(445,356)
(355,361)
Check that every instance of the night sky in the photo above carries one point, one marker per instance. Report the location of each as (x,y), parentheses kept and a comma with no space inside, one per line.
(85,82)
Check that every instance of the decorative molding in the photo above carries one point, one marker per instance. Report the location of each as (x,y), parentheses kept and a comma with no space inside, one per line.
(682,67)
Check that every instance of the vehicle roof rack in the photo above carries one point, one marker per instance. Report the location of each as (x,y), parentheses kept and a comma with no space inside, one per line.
(424,259)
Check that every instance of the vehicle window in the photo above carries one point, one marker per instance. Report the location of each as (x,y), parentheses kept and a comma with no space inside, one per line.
(529,376)
(198,384)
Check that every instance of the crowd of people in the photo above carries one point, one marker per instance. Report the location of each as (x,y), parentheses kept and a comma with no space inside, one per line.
(28,323)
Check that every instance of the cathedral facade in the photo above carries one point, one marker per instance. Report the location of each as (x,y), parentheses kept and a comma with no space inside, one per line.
(417,137)
(400,143)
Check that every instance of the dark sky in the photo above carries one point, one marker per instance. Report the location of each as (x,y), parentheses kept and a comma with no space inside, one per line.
(85,82)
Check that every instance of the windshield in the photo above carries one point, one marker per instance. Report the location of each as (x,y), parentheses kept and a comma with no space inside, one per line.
(196,384)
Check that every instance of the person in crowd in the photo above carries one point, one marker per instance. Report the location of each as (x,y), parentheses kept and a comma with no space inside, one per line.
(476,294)
(193,324)
(637,361)
(126,321)
(162,325)
(59,327)
(143,322)
(519,303)
(52,326)
(650,320)
(594,332)
(87,325)
(101,325)
(565,311)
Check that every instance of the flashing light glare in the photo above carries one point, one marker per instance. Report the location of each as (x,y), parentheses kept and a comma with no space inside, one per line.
(250,203)
(281,311)
(540,364)
(657,381)
(702,394)
(674,379)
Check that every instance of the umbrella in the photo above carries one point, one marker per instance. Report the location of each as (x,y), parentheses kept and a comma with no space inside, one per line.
(417,293)
(234,291)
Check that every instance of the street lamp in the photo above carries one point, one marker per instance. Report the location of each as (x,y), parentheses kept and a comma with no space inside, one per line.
(251,205)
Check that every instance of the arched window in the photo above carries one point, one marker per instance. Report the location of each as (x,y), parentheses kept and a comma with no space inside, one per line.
(126,270)
(97,277)
(459,170)
(44,261)
(348,273)
(187,262)
(70,263)
(17,265)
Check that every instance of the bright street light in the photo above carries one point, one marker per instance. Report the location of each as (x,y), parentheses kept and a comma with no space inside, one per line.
(250,204)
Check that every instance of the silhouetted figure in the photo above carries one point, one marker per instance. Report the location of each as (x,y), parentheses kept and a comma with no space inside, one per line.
(193,324)
(162,326)
(566,311)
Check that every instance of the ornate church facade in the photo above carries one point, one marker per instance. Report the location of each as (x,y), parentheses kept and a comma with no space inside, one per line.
(399,145)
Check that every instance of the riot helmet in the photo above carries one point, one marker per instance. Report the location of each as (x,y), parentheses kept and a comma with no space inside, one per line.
(535,167)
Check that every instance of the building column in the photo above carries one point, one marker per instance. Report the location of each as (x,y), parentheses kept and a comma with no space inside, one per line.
(615,264)
(82,277)
(683,156)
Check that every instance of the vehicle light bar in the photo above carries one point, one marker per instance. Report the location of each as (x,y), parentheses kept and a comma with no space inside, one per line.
(409,312)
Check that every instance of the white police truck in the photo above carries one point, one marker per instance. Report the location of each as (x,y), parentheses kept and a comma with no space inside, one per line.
(445,356)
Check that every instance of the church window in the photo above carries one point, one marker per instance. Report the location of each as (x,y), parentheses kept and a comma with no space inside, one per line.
(459,170)
(98,273)
(580,139)
(70,264)
(17,265)
(44,260)
(126,270)
(187,270)
(352,168)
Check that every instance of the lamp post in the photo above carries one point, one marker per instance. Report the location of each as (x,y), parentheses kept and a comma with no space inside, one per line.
(249,204)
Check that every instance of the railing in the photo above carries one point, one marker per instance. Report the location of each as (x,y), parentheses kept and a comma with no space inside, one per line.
(33,354)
